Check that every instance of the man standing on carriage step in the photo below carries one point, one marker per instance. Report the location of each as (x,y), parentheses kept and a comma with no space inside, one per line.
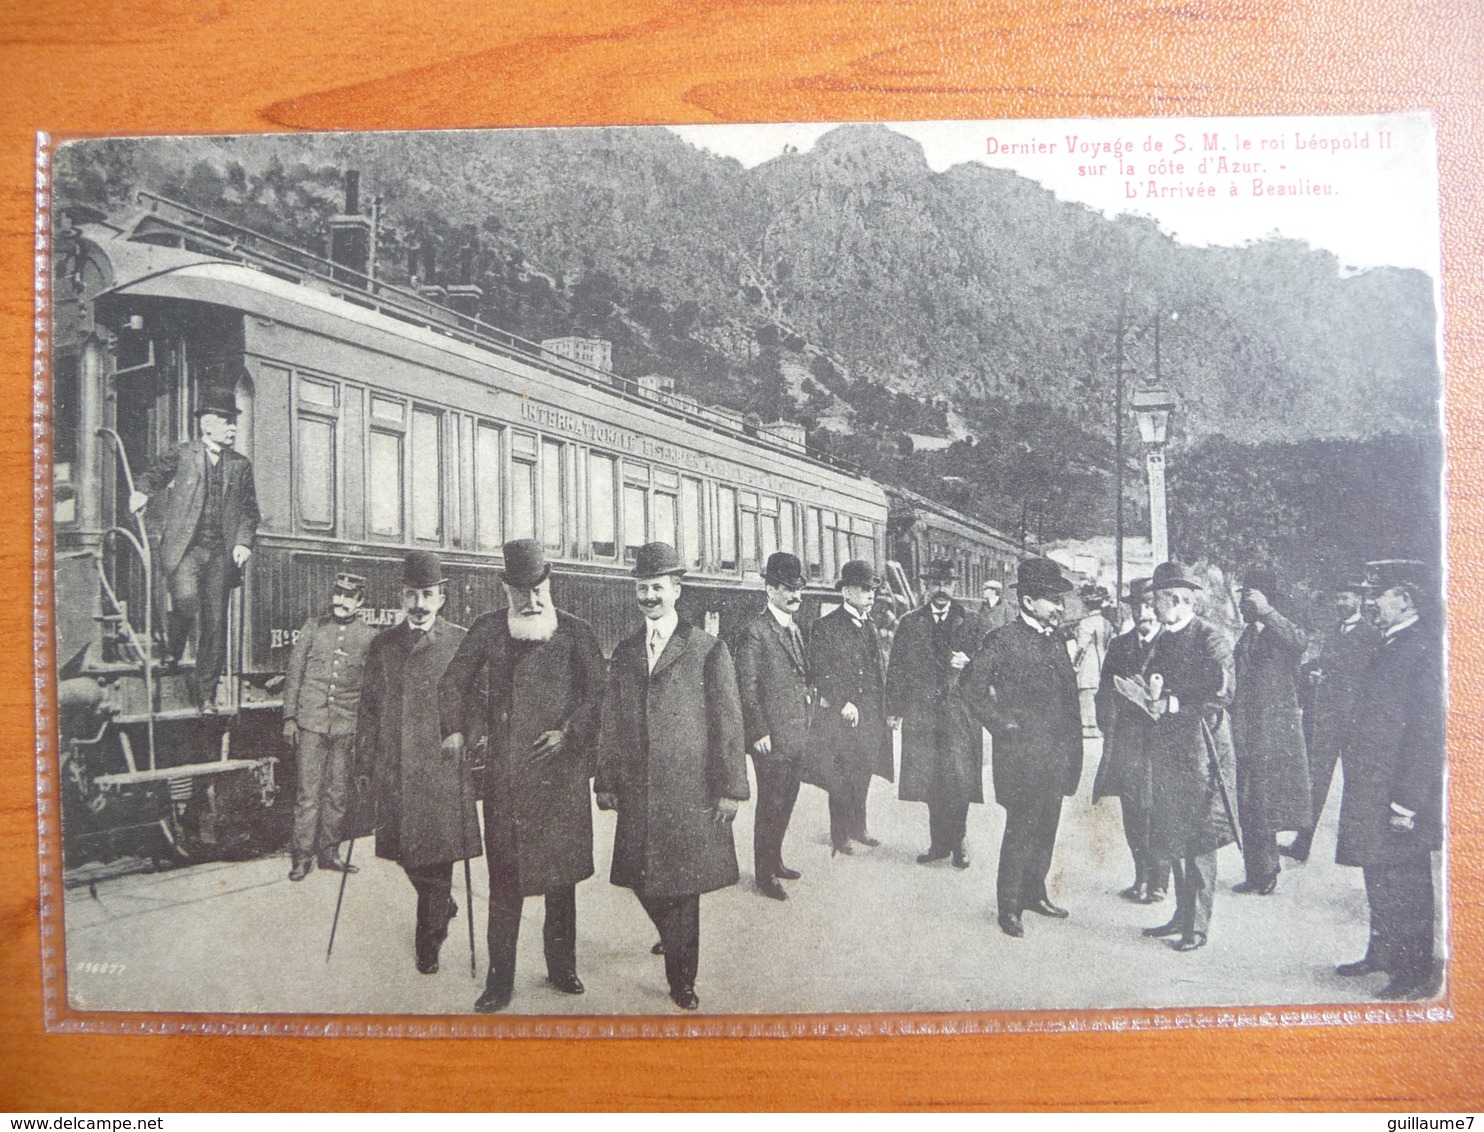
(207,529)
(942,750)
(425,813)
(544,674)
(670,762)
(1023,689)
(321,698)
(777,701)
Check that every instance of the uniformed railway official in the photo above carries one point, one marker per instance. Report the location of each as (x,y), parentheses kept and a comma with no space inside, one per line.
(321,697)
(545,677)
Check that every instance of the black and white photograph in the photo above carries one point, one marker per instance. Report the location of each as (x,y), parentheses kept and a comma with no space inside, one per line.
(913,568)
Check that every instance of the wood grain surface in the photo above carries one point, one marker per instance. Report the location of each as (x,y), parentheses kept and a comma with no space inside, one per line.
(168,66)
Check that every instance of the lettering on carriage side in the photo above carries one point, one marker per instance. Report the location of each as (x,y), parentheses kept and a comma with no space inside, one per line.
(284,637)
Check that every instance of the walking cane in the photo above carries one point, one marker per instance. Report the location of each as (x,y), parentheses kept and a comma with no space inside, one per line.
(468,881)
(339,900)
(1226,802)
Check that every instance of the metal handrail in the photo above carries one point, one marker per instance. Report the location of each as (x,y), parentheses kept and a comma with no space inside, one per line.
(146,557)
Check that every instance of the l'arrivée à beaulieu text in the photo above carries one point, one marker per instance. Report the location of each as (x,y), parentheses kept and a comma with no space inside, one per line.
(1255,166)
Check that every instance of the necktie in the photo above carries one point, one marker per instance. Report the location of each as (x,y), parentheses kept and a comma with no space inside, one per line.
(797,641)
(655,646)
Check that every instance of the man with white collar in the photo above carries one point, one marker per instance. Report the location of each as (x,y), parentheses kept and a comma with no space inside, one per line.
(1332,677)
(544,674)
(1192,770)
(1391,811)
(670,762)
(1023,689)
(777,700)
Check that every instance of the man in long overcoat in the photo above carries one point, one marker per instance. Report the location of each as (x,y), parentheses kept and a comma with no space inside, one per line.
(671,762)
(1191,764)
(1332,679)
(530,677)
(1391,811)
(1268,731)
(851,738)
(206,534)
(942,750)
(777,701)
(425,813)
(1124,770)
(1022,688)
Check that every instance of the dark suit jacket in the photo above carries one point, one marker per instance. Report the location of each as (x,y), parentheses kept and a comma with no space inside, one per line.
(183,471)
(942,750)
(1273,789)
(670,746)
(774,686)
(1124,769)
(845,664)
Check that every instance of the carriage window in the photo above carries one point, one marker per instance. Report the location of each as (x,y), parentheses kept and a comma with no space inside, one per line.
(813,561)
(749,540)
(65,415)
(726,526)
(690,523)
(487,486)
(316,473)
(665,517)
(863,540)
(787,539)
(635,519)
(553,507)
(427,475)
(600,505)
(384,483)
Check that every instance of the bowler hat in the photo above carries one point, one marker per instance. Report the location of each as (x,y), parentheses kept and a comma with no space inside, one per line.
(656,559)
(1263,579)
(219,402)
(421,569)
(346,582)
(525,564)
(1040,577)
(784,569)
(858,573)
(940,570)
(1174,576)
(1139,589)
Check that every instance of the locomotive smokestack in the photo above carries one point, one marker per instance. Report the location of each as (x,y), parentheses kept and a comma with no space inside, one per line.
(464,296)
(352,191)
(430,289)
(466,265)
(350,237)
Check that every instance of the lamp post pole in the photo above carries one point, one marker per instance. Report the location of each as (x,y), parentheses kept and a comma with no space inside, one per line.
(1118,442)
(1152,406)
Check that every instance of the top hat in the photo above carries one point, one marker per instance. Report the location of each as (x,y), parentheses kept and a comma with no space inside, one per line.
(1263,579)
(1174,576)
(525,564)
(940,570)
(656,559)
(1139,589)
(349,583)
(1040,577)
(421,569)
(858,573)
(219,402)
(784,569)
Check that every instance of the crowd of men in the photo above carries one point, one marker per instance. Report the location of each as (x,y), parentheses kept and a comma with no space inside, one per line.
(1205,742)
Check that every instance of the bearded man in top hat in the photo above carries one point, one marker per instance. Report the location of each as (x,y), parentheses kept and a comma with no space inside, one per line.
(777,701)
(851,738)
(544,673)
(671,762)
(1268,730)
(425,813)
(1124,769)
(1190,678)
(1332,678)
(1391,810)
(321,699)
(1022,688)
(210,521)
(942,751)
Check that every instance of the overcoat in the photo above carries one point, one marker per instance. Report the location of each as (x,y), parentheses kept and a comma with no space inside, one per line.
(1124,769)
(183,471)
(773,681)
(425,811)
(1022,688)
(1273,788)
(942,750)
(669,747)
(1395,752)
(1342,661)
(513,692)
(1188,748)
(845,663)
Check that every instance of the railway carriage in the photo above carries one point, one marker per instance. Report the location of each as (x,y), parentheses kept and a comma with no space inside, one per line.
(378,419)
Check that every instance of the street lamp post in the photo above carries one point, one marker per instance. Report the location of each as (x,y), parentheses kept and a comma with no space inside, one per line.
(1152,406)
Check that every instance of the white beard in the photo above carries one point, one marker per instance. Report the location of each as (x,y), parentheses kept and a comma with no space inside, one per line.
(523,628)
